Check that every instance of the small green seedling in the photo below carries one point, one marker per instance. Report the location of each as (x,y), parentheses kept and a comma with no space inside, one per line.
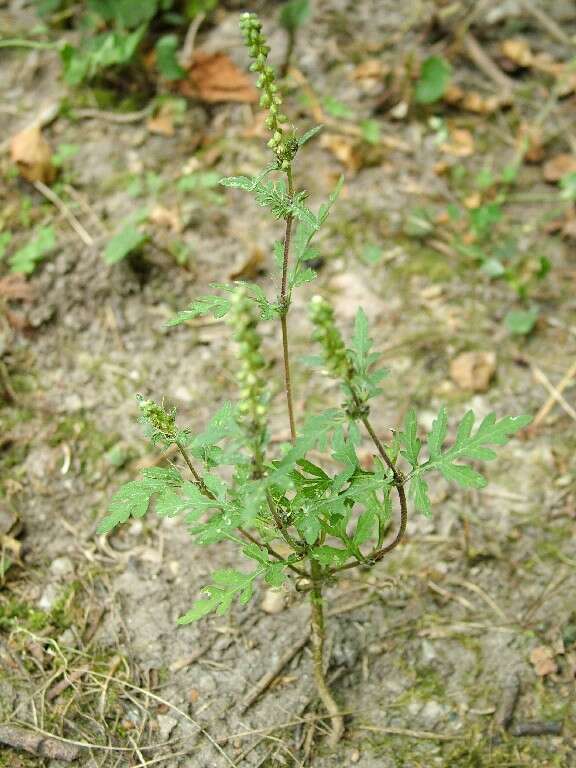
(290,517)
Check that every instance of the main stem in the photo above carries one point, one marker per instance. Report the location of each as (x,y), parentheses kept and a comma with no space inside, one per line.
(284,303)
(318,637)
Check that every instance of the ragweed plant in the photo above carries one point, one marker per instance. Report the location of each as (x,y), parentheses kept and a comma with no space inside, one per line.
(289,516)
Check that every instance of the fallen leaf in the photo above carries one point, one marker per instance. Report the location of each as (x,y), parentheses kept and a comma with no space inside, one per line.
(473,370)
(33,155)
(213,77)
(371,69)
(460,144)
(473,101)
(161,124)
(473,201)
(517,51)
(250,268)
(530,143)
(542,659)
(557,167)
(344,148)
(15,287)
(166,218)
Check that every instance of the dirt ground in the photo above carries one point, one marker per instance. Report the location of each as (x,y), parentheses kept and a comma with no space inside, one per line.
(426,648)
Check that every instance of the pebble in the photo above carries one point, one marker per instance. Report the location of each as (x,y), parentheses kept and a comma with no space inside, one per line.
(62,567)
(49,597)
(273,601)
(166,725)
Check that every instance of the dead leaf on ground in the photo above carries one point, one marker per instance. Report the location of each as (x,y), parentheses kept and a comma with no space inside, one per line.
(542,659)
(557,167)
(517,51)
(460,144)
(371,69)
(473,101)
(162,123)
(213,77)
(530,143)
(473,370)
(16,288)
(33,155)
(166,218)
(250,268)
(345,149)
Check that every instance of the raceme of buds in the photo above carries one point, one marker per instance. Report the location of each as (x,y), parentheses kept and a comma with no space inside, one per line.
(328,336)
(285,145)
(158,418)
(253,405)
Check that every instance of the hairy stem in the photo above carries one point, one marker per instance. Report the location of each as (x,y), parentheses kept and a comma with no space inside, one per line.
(318,636)
(284,302)
(199,481)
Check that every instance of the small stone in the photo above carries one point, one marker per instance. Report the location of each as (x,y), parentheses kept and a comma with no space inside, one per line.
(166,725)
(273,601)
(473,370)
(49,597)
(355,756)
(62,567)
(432,712)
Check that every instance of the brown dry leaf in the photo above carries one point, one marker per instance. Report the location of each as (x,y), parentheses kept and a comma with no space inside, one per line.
(345,149)
(33,155)
(517,50)
(371,69)
(542,659)
(213,77)
(557,167)
(473,201)
(15,287)
(460,144)
(166,218)
(530,143)
(161,124)
(473,101)
(473,370)
(251,268)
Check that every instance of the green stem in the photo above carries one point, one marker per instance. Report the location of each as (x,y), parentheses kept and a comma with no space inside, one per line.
(284,303)
(318,637)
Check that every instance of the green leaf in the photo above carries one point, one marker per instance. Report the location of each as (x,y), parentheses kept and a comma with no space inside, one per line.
(309,526)
(438,434)
(469,445)
(309,135)
(338,109)
(361,342)
(133,498)
(5,238)
(228,585)
(521,322)
(127,241)
(166,58)
(189,499)
(418,491)
(330,556)
(364,527)
(26,259)
(199,180)
(326,207)
(217,306)
(370,131)
(294,13)
(410,440)
(371,253)
(463,475)
(434,78)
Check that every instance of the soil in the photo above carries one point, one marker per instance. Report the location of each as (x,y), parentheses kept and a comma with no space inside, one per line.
(423,647)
